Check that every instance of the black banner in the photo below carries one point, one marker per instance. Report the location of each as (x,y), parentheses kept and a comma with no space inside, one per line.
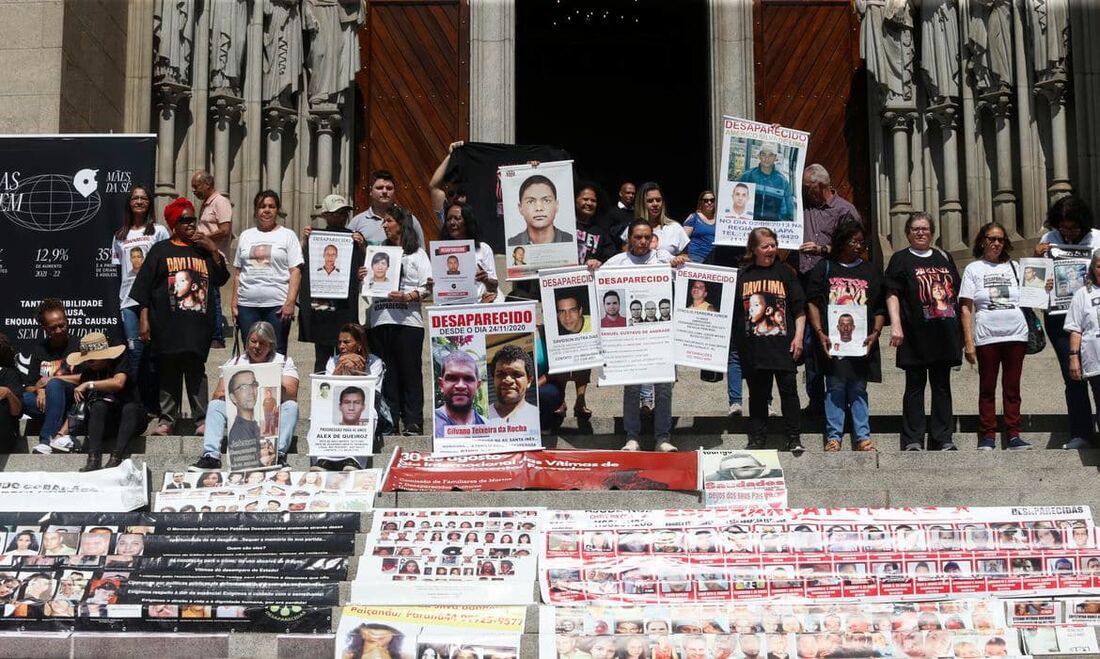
(223,567)
(170,523)
(61,199)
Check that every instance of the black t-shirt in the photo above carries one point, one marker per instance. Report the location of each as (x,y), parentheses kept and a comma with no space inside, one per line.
(593,242)
(320,320)
(9,424)
(175,284)
(129,393)
(769,300)
(928,294)
(48,362)
(830,283)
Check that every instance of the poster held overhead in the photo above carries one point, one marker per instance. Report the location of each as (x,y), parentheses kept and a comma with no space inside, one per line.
(253,394)
(572,337)
(705,298)
(540,221)
(643,290)
(454,266)
(330,264)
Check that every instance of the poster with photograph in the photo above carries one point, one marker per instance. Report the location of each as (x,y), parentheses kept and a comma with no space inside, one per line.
(641,351)
(342,417)
(761,182)
(430,632)
(253,393)
(454,268)
(704,316)
(267,491)
(1033,274)
(485,386)
(383,271)
(742,478)
(847,330)
(573,335)
(330,264)
(1070,266)
(540,219)
(120,488)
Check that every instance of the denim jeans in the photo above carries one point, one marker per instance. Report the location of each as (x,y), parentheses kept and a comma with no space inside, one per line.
(216,422)
(839,394)
(59,396)
(734,378)
(249,316)
(141,361)
(219,319)
(1078,407)
(662,410)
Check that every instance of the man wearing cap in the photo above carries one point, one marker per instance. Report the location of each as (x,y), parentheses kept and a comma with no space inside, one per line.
(774,200)
(174,290)
(216,223)
(320,320)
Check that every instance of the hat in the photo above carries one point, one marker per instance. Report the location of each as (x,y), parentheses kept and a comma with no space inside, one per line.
(174,210)
(94,346)
(333,203)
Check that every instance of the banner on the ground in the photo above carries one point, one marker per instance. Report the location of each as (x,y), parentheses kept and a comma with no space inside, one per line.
(413,471)
(640,352)
(1062,640)
(454,268)
(330,255)
(267,491)
(253,394)
(383,271)
(540,219)
(1070,272)
(760,182)
(61,197)
(485,384)
(573,335)
(742,478)
(705,298)
(342,417)
(430,632)
(1032,276)
(118,489)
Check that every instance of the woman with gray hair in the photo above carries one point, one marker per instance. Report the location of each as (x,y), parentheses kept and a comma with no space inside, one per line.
(259,349)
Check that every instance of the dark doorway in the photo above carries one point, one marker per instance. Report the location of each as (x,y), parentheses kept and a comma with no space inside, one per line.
(624,86)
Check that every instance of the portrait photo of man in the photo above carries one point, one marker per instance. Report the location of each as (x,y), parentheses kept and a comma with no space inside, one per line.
(650,312)
(242,390)
(137,258)
(328,267)
(352,402)
(459,382)
(742,466)
(636,312)
(774,199)
(664,310)
(611,310)
(570,308)
(452,265)
(741,209)
(845,326)
(513,373)
(538,205)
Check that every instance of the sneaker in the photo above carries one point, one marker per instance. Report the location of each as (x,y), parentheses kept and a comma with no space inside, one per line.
(794,445)
(62,443)
(1017,444)
(631,445)
(755,444)
(987,444)
(735,409)
(666,447)
(913,446)
(772,412)
(44,449)
(1077,443)
(206,463)
(948,446)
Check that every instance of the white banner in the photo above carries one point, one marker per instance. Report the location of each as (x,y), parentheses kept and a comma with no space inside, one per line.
(330,264)
(485,381)
(383,271)
(742,478)
(342,418)
(253,393)
(705,298)
(573,336)
(540,219)
(641,351)
(119,489)
(267,491)
(454,268)
(760,183)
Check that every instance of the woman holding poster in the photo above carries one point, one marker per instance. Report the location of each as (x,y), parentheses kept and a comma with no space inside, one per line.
(845,281)
(768,323)
(459,223)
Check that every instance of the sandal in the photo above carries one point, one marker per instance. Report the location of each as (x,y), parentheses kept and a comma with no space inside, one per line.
(865,445)
(832,446)
(163,429)
(562,411)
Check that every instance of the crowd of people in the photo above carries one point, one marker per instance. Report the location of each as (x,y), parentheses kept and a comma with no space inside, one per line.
(171,277)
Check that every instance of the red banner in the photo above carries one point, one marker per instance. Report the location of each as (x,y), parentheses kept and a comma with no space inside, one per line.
(413,471)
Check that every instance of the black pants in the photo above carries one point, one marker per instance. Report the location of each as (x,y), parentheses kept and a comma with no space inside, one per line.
(321,354)
(175,372)
(9,427)
(400,348)
(913,423)
(103,418)
(760,389)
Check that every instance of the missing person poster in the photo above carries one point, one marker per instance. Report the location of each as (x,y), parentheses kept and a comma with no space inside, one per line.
(330,264)
(742,478)
(847,325)
(639,352)
(1070,265)
(253,394)
(267,491)
(540,220)
(485,389)
(430,632)
(118,489)
(454,268)
(383,271)
(572,335)
(1032,276)
(342,418)
(705,296)
(761,182)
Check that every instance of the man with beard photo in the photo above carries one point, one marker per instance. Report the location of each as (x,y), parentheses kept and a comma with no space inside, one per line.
(459,382)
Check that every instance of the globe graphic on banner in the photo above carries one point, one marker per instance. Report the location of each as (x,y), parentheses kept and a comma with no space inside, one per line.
(52,202)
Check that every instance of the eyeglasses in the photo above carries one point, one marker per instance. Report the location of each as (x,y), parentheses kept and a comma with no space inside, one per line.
(856,243)
(187,219)
(994,239)
(920,230)
(708,200)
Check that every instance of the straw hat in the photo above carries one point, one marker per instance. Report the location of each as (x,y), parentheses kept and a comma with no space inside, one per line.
(94,346)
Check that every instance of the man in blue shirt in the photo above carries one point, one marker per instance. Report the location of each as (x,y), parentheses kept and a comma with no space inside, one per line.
(774,200)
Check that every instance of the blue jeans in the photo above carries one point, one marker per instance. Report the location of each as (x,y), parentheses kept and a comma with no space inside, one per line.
(249,316)
(662,410)
(551,396)
(839,394)
(141,363)
(215,299)
(59,396)
(734,378)
(1078,407)
(216,422)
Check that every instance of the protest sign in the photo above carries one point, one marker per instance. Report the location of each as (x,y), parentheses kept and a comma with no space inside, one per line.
(342,417)
(383,271)
(1070,271)
(1032,276)
(454,268)
(847,325)
(705,296)
(436,632)
(271,491)
(742,478)
(760,182)
(640,352)
(253,393)
(573,338)
(1082,611)
(413,471)
(485,393)
(120,488)
(1061,640)
(540,220)
(330,264)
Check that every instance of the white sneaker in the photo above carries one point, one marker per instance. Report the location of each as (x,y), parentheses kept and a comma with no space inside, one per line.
(735,409)
(666,447)
(631,445)
(42,448)
(62,443)
(772,412)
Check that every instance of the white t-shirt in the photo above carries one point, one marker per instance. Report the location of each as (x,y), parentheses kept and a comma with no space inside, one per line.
(671,237)
(488,263)
(264,259)
(1090,239)
(1081,317)
(652,257)
(416,268)
(124,256)
(996,296)
(375,367)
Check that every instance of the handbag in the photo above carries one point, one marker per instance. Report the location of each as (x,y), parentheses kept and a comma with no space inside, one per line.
(1036,339)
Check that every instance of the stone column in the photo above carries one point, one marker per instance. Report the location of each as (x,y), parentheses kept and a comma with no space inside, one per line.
(951,221)
(278,119)
(731,69)
(899,121)
(492,71)
(999,104)
(225,110)
(169,95)
(325,120)
(1055,90)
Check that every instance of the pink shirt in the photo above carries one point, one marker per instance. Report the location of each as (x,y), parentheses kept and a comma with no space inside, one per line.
(216,210)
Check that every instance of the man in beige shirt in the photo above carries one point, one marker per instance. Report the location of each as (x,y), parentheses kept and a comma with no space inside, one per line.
(215,221)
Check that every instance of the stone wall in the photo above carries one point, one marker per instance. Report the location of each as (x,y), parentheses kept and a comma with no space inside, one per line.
(30,77)
(93,66)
